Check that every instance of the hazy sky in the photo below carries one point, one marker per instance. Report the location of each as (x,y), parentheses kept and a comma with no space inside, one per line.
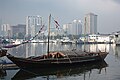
(65,11)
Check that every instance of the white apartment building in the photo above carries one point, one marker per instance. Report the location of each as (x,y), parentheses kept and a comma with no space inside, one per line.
(74,28)
(5,30)
(33,25)
(90,23)
(66,28)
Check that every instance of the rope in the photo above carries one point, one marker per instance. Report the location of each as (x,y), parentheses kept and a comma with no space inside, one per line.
(37,33)
(58,26)
(75,52)
(69,58)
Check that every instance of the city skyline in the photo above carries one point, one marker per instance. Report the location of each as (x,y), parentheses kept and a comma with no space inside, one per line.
(65,11)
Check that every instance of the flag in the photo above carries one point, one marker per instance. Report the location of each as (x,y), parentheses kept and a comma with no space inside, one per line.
(56,24)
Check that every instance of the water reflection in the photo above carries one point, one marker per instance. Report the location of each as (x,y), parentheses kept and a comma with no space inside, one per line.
(87,72)
(96,47)
(117,52)
(35,49)
(61,72)
(79,72)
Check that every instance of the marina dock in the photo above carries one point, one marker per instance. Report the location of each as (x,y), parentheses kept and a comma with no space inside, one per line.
(8,66)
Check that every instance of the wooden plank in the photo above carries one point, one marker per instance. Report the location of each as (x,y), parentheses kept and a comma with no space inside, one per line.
(8,66)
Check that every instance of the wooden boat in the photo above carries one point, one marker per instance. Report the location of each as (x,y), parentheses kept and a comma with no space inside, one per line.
(57,58)
(59,72)
(2,52)
(11,45)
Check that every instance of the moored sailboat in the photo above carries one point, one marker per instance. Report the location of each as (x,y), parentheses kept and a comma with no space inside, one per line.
(56,59)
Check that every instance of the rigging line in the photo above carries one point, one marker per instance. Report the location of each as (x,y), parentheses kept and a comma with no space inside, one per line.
(57,24)
(69,58)
(37,33)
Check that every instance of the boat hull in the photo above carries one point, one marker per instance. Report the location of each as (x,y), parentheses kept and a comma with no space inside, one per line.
(11,46)
(58,71)
(3,52)
(50,63)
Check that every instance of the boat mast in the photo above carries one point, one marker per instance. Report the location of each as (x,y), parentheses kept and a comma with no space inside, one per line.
(85,34)
(49,20)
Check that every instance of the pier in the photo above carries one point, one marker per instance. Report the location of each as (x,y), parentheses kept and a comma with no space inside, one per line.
(8,66)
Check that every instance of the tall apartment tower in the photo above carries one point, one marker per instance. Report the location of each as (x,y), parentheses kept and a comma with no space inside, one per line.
(90,23)
(33,25)
(5,30)
(74,28)
(67,28)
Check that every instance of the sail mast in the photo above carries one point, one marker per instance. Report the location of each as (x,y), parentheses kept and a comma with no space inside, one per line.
(49,20)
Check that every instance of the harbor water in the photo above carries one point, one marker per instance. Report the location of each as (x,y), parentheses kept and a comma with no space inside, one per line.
(106,70)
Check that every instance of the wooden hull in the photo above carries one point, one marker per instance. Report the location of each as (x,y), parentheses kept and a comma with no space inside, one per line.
(58,71)
(11,46)
(2,73)
(54,62)
(3,52)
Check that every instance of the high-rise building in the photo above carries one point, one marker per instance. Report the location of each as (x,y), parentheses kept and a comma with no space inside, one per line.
(33,24)
(5,30)
(66,28)
(74,28)
(18,31)
(90,23)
